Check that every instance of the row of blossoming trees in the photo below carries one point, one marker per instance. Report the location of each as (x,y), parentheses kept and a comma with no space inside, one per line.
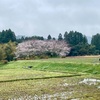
(42,49)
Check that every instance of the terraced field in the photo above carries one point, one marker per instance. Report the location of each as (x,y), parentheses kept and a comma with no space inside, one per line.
(71,78)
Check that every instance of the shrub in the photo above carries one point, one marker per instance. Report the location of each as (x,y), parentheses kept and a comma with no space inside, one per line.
(15,59)
(4,61)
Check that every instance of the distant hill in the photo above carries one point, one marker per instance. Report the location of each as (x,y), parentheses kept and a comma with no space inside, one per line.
(19,36)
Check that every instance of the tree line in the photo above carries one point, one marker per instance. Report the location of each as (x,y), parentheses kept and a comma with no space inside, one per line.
(76,40)
(79,43)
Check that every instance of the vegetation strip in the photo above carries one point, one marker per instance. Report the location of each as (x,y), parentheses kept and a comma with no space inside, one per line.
(39,78)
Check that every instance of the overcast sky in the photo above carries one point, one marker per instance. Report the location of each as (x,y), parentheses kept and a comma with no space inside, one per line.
(43,17)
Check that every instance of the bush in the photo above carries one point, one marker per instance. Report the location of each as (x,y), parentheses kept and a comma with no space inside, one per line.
(15,59)
(50,54)
(4,61)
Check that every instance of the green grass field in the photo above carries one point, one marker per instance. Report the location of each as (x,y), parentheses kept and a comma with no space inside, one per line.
(51,79)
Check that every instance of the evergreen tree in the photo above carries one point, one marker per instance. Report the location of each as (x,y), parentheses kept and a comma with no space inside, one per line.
(85,39)
(54,38)
(6,36)
(96,41)
(74,38)
(60,37)
(66,36)
(49,37)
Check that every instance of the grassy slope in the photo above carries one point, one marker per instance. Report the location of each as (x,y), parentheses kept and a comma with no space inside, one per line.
(16,75)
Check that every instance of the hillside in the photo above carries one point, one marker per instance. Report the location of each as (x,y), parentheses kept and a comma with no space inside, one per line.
(36,47)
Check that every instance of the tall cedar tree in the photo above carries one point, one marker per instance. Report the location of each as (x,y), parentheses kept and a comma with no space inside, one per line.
(6,36)
(60,37)
(74,38)
(49,37)
(96,41)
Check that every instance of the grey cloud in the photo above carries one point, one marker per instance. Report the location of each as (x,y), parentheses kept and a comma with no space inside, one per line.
(43,17)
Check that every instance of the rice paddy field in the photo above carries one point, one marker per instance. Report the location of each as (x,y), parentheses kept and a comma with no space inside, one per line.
(71,78)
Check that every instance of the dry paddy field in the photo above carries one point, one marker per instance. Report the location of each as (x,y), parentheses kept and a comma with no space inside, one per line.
(71,78)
